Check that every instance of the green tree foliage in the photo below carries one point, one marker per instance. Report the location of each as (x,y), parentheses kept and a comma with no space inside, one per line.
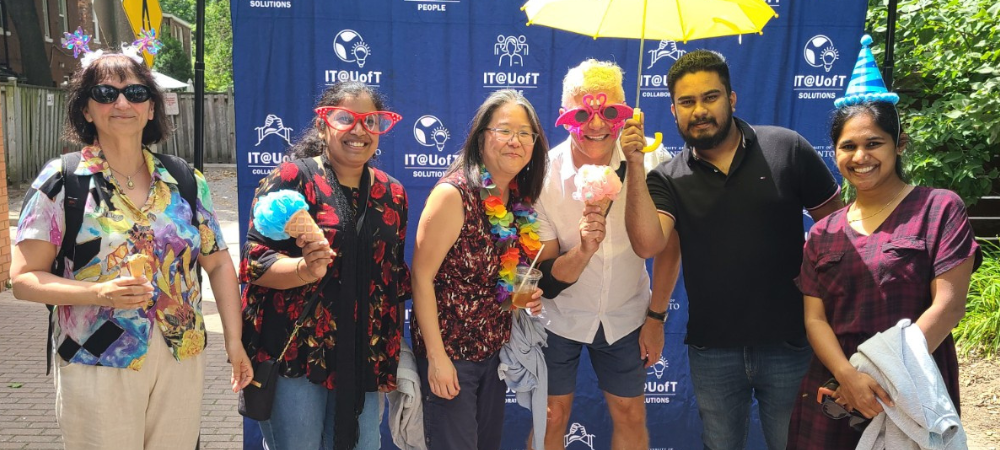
(218,39)
(173,61)
(219,46)
(979,331)
(947,72)
(185,9)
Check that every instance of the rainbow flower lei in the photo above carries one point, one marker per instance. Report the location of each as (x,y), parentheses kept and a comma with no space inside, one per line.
(519,225)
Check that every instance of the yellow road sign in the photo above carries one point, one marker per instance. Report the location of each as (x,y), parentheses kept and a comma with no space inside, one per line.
(144,15)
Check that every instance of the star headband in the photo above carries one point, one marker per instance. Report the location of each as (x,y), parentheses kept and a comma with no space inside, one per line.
(615,115)
(80,43)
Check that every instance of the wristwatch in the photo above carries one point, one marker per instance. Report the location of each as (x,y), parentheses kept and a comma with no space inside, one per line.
(661,316)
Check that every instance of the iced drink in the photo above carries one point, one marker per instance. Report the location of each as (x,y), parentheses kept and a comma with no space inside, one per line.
(525,284)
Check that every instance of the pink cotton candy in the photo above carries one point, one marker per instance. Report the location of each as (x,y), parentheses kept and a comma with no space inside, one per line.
(596,183)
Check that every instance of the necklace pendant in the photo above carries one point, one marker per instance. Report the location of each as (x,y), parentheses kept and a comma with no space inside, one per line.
(129,183)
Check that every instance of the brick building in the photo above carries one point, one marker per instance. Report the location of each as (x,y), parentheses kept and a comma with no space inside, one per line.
(103,20)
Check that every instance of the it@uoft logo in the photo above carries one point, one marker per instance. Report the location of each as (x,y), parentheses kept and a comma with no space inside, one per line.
(820,53)
(351,48)
(657,389)
(654,84)
(261,162)
(429,131)
(511,51)
(578,438)
(273,125)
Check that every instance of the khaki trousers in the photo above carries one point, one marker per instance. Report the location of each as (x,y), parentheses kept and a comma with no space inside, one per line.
(158,407)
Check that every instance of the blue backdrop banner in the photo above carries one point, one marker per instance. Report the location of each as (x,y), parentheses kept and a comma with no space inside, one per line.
(437,60)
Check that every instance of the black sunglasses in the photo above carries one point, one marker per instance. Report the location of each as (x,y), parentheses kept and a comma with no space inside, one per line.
(835,410)
(134,93)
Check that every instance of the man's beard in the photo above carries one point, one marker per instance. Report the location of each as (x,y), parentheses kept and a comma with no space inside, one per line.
(710,141)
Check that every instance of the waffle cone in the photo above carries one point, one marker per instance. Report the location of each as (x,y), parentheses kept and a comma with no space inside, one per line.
(302,223)
(137,265)
(604,204)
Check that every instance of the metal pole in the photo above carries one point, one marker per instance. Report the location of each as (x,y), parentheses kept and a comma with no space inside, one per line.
(890,43)
(199,87)
(642,54)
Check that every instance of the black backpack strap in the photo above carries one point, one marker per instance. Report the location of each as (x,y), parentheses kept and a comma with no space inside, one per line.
(188,187)
(76,188)
(184,174)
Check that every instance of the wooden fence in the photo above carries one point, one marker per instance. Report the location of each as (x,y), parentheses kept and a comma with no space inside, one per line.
(985,218)
(34,116)
(220,129)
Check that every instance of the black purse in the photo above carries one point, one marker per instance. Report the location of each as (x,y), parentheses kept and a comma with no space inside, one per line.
(257,398)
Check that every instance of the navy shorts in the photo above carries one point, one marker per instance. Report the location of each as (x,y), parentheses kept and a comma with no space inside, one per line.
(619,369)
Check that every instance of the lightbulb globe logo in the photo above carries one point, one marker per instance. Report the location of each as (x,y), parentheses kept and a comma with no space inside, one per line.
(350,47)
(430,132)
(820,52)
(659,368)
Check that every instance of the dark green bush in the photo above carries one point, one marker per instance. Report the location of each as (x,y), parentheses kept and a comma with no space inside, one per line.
(979,331)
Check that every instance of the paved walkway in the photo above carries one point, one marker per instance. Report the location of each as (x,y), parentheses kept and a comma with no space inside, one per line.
(27,396)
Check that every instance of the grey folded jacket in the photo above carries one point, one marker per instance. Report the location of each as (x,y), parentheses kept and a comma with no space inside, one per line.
(923,416)
(522,367)
(406,411)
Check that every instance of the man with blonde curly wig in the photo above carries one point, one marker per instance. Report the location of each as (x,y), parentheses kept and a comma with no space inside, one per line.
(596,288)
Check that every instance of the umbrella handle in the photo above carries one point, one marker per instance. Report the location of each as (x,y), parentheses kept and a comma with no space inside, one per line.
(657,137)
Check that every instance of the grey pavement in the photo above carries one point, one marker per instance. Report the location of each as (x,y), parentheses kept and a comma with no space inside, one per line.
(27,396)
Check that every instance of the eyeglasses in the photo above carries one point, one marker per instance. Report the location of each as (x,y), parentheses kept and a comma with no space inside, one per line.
(505,136)
(615,115)
(835,410)
(106,94)
(375,122)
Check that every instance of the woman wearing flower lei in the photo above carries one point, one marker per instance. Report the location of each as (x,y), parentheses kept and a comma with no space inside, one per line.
(477,226)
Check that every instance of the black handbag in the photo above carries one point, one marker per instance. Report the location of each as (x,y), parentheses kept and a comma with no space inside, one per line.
(257,398)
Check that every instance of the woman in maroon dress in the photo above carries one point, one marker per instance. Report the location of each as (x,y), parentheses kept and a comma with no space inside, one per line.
(897,252)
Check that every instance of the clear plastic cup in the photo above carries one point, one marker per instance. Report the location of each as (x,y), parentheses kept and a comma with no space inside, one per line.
(525,284)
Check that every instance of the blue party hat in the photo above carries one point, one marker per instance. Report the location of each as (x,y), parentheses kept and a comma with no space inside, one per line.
(866,82)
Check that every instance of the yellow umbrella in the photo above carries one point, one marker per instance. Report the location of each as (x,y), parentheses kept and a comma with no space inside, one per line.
(676,20)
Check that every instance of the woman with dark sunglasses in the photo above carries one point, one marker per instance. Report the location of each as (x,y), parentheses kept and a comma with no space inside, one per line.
(348,351)
(129,332)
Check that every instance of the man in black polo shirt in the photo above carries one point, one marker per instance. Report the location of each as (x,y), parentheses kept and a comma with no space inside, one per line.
(735,196)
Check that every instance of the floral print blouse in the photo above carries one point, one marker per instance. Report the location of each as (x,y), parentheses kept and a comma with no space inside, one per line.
(269,314)
(112,229)
(473,325)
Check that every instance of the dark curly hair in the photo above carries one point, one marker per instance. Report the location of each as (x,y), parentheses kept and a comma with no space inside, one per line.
(112,66)
(311,144)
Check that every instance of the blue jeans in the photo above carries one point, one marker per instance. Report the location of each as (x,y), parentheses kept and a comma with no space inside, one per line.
(726,380)
(302,418)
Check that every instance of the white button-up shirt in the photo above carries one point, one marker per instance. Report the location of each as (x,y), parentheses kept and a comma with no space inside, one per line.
(613,289)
